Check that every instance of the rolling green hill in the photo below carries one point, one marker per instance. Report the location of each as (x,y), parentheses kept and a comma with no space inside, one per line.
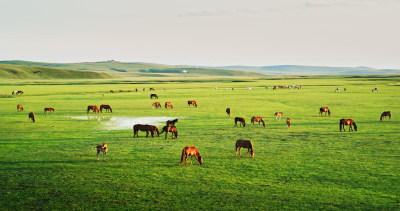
(9,71)
(137,69)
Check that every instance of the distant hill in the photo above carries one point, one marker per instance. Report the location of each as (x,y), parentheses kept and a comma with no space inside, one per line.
(311,70)
(8,71)
(137,69)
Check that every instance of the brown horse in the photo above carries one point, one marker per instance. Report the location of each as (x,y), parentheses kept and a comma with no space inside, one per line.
(171,129)
(288,120)
(152,89)
(240,120)
(257,119)
(349,122)
(101,148)
(107,107)
(324,110)
(245,144)
(48,110)
(172,122)
(146,128)
(168,104)
(385,114)
(278,114)
(20,108)
(156,105)
(191,151)
(31,116)
(94,108)
(153,95)
(228,111)
(192,102)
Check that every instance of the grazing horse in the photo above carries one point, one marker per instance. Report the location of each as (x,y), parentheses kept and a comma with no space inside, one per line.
(344,89)
(31,116)
(337,90)
(192,102)
(324,110)
(278,114)
(245,144)
(385,114)
(94,108)
(191,151)
(171,129)
(153,95)
(240,120)
(374,89)
(107,107)
(349,122)
(288,120)
(101,148)
(145,128)
(20,108)
(48,110)
(156,105)
(17,92)
(172,122)
(168,104)
(228,111)
(257,119)
(152,89)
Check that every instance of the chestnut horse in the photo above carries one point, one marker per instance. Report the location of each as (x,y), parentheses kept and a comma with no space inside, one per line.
(278,114)
(146,128)
(156,105)
(245,144)
(385,114)
(257,119)
(94,108)
(168,104)
(48,110)
(101,148)
(349,122)
(228,111)
(172,122)
(288,120)
(31,116)
(152,89)
(192,102)
(107,107)
(191,151)
(324,110)
(171,129)
(241,120)
(20,108)
(153,95)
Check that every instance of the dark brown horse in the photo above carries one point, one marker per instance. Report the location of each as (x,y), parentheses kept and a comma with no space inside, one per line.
(152,89)
(31,116)
(48,110)
(168,104)
(192,102)
(172,122)
(240,120)
(107,107)
(324,110)
(385,114)
(147,128)
(101,148)
(156,105)
(228,111)
(257,119)
(349,122)
(278,114)
(288,120)
(94,108)
(171,129)
(245,144)
(191,151)
(20,108)
(153,95)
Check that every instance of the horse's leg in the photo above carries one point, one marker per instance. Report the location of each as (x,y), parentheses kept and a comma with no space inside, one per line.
(236,151)
(104,156)
(191,161)
(147,133)
(98,151)
(239,151)
(166,134)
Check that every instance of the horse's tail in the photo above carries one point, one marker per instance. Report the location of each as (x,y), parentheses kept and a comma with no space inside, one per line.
(183,155)
(341,124)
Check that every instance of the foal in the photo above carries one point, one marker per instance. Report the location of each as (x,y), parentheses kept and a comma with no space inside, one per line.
(103,148)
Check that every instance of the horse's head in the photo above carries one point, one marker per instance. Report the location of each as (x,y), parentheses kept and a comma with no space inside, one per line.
(156,129)
(200,159)
(355,126)
(329,112)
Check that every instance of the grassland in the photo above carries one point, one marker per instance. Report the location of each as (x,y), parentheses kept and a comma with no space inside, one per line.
(50,164)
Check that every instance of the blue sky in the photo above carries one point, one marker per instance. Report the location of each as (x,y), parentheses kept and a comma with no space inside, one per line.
(207,32)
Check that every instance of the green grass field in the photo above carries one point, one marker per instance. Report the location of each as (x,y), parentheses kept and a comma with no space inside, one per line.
(50,164)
